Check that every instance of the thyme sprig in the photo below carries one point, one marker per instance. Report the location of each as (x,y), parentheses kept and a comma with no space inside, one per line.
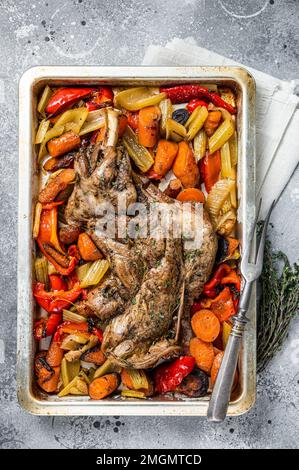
(279,303)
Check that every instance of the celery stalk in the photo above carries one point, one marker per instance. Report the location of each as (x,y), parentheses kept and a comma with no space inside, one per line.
(36,224)
(233,147)
(175,131)
(139,154)
(166,113)
(225,161)
(133,394)
(42,130)
(73,119)
(196,124)
(200,145)
(221,135)
(95,273)
(73,317)
(41,270)
(134,99)
(44,100)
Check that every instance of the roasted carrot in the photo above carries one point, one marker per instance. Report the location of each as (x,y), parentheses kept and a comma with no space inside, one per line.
(148,125)
(212,122)
(223,305)
(216,366)
(103,386)
(126,379)
(55,354)
(94,355)
(166,153)
(56,163)
(191,195)
(203,353)
(87,248)
(185,167)
(48,378)
(63,144)
(101,134)
(47,367)
(56,184)
(205,325)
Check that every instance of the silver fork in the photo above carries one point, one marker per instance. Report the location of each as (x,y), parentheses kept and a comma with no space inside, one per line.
(251,268)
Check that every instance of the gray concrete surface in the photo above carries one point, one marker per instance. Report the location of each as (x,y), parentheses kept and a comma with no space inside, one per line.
(258,33)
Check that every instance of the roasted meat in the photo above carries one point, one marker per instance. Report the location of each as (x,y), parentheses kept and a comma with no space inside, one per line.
(140,336)
(153,272)
(103,176)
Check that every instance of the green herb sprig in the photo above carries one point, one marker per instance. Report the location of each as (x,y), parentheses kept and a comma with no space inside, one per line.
(279,303)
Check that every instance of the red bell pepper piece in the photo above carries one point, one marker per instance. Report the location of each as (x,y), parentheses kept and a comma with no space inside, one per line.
(193,104)
(232,278)
(133,118)
(185,93)
(55,301)
(168,376)
(210,288)
(210,167)
(223,305)
(64,98)
(69,327)
(122,124)
(47,326)
(48,227)
(101,96)
(57,283)
(72,258)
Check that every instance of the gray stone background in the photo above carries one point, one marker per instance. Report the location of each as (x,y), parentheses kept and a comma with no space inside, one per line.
(258,33)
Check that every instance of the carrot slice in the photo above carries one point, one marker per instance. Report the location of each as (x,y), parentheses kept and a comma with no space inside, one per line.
(55,354)
(56,184)
(191,194)
(203,353)
(126,379)
(48,379)
(148,125)
(63,144)
(87,248)
(103,386)
(216,366)
(166,153)
(212,122)
(185,167)
(205,325)
(94,355)
(47,367)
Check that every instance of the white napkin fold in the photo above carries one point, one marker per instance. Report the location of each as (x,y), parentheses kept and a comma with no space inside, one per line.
(277,115)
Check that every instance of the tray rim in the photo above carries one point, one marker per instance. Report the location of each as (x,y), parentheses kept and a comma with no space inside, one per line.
(83,407)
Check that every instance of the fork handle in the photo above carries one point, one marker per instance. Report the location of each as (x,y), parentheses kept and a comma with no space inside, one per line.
(222,389)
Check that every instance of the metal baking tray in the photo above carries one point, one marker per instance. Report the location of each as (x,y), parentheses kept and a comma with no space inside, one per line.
(31,83)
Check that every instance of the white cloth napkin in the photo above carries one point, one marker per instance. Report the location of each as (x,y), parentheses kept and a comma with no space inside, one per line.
(277,115)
